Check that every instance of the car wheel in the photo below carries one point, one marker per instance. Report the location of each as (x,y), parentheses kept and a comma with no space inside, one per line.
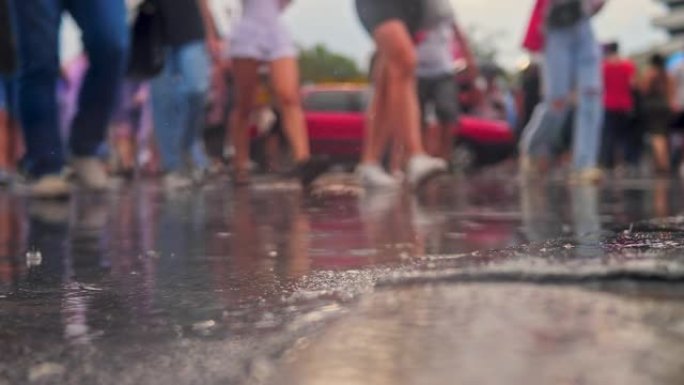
(463,157)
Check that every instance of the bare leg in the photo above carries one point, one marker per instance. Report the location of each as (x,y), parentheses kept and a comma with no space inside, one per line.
(377,131)
(285,80)
(447,142)
(246,81)
(661,153)
(401,112)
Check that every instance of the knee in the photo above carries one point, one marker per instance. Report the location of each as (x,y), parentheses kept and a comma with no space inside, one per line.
(289,99)
(402,65)
(559,105)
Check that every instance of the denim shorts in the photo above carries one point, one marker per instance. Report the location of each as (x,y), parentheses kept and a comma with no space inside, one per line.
(374,13)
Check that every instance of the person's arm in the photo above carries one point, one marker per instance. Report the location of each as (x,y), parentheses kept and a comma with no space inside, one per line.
(468,56)
(214,44)
(671,92)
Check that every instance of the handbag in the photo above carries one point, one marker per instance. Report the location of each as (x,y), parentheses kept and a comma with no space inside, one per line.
(148,54)
(8,55)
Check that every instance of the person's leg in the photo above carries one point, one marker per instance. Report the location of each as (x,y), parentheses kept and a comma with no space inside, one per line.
(246,78)
(285,79)
(5,145)
(545,127)
(401,111)
(590,111)
(194,68)
(37,25)
(105,38)
(426,99)
(661,153)
(167,120)
(609,139)
(5,142)
(446,107)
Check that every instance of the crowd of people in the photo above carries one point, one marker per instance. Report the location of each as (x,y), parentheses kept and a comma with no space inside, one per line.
(595,101)
(197,62)
(208,87)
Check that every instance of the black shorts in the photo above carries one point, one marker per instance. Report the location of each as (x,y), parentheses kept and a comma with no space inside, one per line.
(374,13)
(441,92)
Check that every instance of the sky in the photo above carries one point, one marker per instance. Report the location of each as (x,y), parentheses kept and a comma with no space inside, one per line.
(334,23)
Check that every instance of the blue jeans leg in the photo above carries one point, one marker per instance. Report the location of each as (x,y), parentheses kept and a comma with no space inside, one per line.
(178,100)
(37,25)
(166,110)
(544,130)
(590,111)
(195,71)
(105,38)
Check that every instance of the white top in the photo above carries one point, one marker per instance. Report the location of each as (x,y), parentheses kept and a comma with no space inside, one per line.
(262,10)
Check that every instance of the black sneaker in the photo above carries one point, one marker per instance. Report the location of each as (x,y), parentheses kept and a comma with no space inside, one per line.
(309,170)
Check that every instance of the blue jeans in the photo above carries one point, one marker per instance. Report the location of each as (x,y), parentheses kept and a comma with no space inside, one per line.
(572,64)
(105,38)
(179,95)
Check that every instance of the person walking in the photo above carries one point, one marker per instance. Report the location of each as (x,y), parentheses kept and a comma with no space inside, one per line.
(562,30)
(262,37)
(180,91)
(105,38)
(618,131)
(394,110)
(437,88)
(657,88)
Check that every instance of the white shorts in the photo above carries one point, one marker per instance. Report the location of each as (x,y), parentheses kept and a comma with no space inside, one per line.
(263,42)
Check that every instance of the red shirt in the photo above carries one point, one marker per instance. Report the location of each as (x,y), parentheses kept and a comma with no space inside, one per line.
(618,75)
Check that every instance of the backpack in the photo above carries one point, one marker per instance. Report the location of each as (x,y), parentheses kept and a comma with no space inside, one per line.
(566,13)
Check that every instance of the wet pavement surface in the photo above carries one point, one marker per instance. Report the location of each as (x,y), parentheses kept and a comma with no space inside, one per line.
(475,280)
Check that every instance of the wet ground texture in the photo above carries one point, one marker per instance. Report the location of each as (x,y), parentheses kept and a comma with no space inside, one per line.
(474,280)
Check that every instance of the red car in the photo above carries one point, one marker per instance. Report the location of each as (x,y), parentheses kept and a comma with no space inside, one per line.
(335,117)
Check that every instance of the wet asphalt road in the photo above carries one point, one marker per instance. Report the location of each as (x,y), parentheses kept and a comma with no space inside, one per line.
(475,280)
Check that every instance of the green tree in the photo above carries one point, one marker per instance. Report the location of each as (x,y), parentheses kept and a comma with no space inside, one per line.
(319,64)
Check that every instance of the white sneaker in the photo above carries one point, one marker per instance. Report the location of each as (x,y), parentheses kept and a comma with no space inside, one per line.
(52,186)
(177,181)
(422,167)
(91,173)
(374,176)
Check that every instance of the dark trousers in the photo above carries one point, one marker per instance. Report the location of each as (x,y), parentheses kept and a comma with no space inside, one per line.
(105,38)
(620,133)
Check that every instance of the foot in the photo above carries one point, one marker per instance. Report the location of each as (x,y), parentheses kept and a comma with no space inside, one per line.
(373,176)
(241,178)
(6,178)
(90,173)
(51,186)
(529,168)
(309,170)
(423,167)
(590,175)
(174,181)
